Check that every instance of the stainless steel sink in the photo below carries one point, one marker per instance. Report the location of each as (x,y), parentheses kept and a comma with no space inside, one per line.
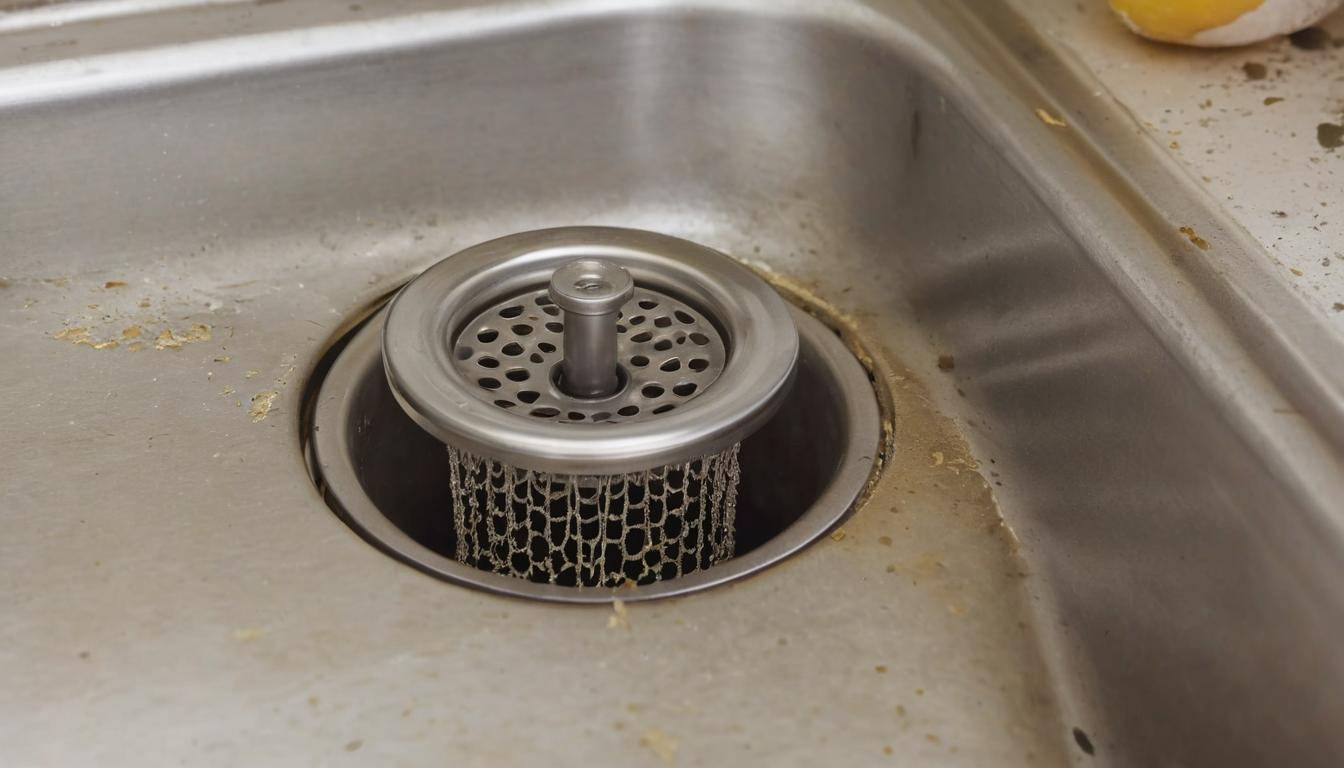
(224,189)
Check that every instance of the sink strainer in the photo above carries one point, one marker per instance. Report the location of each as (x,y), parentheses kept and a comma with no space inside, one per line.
(592,386)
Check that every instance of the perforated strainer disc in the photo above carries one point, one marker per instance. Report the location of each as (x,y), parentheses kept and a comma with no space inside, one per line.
(706,355)
(667,351)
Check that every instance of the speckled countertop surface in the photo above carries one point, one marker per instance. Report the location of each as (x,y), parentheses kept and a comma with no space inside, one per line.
(1258,127)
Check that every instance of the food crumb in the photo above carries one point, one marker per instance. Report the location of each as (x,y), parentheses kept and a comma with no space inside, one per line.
(1254,70)
(261,405)
(115,284)
(1272,100)
(1194,237)
(838,535)
(661,744)
(354,745)
(880,669)
(1084,743)
(946,362)
(1050,119)
(1330,135)
(884,541)
(887,750)
(248,634)
(620,615)
(251,374)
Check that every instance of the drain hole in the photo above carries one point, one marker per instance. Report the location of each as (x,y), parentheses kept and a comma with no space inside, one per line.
(488,362)
(511,312)
(555,327)
(640,338)
(518,374)
(546,346)
(620,328)
(522,329)
(403,477)
(647,304)
(551,310)
(699,338)
(465,353)
(536,357)
(637,320)
(543,300)
(662,345)
(488,335)
(684,318)
(663,321)
(512,349)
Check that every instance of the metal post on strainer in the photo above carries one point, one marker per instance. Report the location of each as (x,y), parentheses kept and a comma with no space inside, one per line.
(591,293)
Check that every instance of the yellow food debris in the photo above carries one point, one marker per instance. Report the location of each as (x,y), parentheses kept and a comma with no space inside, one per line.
(74,335)
(620,616)
(261,405)
(937,457)
(252,374)
(135,346)
(223,359)
(839,535)
(115,284)
(131,332)
(661,744)
(248,634)
(166,340)
(109,344)
(226,391)
(1194,237)
(1050,119)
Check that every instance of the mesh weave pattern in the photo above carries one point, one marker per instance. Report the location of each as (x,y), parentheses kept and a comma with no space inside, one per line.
(594,531)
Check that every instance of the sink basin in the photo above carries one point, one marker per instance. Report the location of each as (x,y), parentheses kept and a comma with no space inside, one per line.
(1109,530)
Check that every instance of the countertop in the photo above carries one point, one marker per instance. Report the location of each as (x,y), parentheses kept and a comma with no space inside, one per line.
(1243,122)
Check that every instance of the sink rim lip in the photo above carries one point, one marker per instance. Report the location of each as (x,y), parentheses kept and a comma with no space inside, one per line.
(855,470)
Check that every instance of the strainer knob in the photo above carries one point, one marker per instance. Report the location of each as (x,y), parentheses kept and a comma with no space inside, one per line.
(591,293)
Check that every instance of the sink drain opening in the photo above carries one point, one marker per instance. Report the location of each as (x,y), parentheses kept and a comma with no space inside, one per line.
(715,469)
